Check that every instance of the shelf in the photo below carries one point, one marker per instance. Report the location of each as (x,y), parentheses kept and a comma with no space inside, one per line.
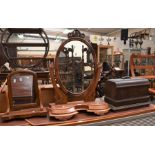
(25,44)
(36,58)
(24,30)
(144,56)
(134,49)
(144,67)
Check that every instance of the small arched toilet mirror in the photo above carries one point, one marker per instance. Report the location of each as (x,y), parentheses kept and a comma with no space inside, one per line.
(75,70)
(23,89)
(23,96)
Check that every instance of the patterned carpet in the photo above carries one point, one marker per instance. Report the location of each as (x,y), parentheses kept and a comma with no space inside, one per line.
(146,121)
(138,120)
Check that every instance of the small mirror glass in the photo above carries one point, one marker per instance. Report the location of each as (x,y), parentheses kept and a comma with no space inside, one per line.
(22,89)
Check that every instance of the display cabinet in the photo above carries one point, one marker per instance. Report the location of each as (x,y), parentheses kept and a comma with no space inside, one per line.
(105,54)
(128,52)
(143,65)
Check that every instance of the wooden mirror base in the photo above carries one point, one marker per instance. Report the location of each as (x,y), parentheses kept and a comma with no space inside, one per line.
(63,117)
(26,113)
(67,111)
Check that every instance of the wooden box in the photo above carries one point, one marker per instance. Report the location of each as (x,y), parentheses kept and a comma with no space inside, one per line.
(127,93)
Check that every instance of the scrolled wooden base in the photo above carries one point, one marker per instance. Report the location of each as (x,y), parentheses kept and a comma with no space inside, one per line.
(26,113)
(63,117)
(67,111)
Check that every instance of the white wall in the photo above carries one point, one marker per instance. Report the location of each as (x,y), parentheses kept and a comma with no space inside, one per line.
(118,44)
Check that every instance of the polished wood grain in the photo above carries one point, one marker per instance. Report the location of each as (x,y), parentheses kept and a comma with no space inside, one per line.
(4,101)
(152,91)
(62,94)
(83,118)
(23,88)
(66,111)
(46,94)
(25,113)
(15,123)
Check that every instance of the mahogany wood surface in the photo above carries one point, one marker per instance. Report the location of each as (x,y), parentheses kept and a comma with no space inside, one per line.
(62,94)
(152,90)
(46,94)
(85,118)
(24,113)
(146,76)
(15,123)
(82,118)
(4,101)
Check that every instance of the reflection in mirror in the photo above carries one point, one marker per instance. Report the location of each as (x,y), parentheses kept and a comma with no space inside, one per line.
(22,87)
(76,66)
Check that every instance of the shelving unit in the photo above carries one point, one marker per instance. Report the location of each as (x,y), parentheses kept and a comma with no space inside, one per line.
(103,52)
(128,52)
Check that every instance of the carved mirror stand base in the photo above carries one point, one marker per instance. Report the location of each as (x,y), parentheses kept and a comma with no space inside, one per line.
(26,113)
(67,111)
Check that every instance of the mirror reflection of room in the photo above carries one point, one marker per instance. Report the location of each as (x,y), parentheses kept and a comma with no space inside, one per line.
(76,66)
(22,88)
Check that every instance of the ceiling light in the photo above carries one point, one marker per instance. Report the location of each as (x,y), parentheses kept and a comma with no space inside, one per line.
(66,31)
(20,36)
(56,37)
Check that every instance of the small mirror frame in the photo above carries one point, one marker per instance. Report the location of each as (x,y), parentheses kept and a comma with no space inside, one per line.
(13,107)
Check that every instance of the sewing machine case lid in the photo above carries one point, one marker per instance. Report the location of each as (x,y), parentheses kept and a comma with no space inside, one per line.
(128,82)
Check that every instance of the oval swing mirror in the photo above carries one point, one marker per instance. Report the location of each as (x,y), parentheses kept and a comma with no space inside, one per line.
(75,64)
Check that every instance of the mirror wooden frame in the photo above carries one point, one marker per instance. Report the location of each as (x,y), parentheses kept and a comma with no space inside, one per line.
(62,94)
(35,86)
(23,110)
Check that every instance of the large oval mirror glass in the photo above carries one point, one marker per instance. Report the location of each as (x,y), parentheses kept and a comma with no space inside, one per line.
(76,66)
